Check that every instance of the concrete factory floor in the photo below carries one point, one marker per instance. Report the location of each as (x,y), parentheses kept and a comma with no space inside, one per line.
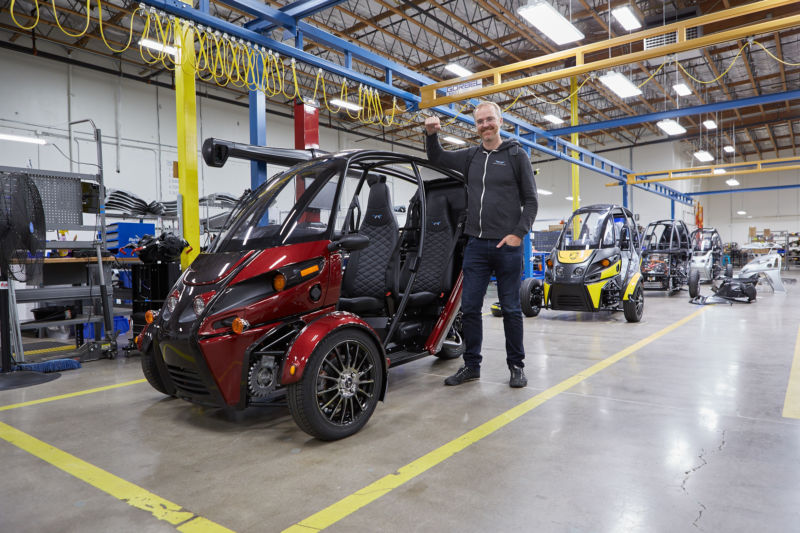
(679,423)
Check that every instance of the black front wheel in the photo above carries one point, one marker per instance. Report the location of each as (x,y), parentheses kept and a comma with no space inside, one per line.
(694,283)
(530,297)
(340,387)
(151,373)
(634,305)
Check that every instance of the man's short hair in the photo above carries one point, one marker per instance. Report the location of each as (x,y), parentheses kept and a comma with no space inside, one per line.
(496,108)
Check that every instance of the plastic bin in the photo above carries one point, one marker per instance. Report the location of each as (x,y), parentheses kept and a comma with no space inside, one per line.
(121,324)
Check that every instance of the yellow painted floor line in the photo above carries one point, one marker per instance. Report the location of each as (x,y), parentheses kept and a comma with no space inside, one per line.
(791,404)
(350,504)
(48,350)
(133,495)
(71,395)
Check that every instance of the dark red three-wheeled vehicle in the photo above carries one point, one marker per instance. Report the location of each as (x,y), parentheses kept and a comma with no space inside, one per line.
(325,276)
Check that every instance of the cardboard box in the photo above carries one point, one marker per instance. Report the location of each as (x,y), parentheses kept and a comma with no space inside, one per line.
(555,227)
(752,232)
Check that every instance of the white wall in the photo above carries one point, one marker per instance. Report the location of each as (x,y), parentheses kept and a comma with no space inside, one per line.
(141,119)
(556,176)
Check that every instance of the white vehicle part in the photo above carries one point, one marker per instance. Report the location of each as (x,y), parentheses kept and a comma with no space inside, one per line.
(769,266)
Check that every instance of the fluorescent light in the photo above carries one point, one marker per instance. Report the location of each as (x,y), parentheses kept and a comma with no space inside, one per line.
(710,124)
(458,70)
(20,138)
(671,127)
(681,89)
(621,85)
(704,156)
(346,105)
(544,192)
(554,119)
(549,21)
(732,182)
(454,140)
(626,18)
(719,171)
(741,212)
(729,149)
(158,47)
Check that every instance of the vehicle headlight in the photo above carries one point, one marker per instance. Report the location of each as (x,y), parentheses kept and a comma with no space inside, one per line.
(199,305)
(578,272)
(172,302)
(560,271)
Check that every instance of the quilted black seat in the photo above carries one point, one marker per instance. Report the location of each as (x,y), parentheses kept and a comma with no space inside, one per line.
(435,272)
(364,285)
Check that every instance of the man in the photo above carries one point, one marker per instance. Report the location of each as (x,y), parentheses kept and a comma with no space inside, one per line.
(501,207)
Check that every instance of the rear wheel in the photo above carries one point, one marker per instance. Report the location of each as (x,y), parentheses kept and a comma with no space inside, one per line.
(729,270)
(694,283)
(530,297)
(634,305)
(340,386)
(453,346)
(150,371)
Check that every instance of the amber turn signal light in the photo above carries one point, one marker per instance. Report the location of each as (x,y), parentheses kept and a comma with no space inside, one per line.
(240,325)
(549,263)
(149,317)
(279,282)
(605,262)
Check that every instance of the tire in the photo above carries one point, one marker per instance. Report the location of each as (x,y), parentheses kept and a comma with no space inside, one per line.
(530,297)
(150,371)
(496,310)
(750,292)
(729,270)
(453,346)
(694,283)
(340,386)
(633,307)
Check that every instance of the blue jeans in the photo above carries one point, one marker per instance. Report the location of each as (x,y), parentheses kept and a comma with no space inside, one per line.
(481,259)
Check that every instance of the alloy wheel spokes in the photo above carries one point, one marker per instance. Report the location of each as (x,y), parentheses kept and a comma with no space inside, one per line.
(345,396)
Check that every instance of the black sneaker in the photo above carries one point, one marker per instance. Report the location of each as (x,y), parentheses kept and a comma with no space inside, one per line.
(518,379)
(464,373)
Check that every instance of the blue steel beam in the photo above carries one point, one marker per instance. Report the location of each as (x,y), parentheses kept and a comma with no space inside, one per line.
(297,10)
(751,189)
(686,111)
(258,9)
(528,135)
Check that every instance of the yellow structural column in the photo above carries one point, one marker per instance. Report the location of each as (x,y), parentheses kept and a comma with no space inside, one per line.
(576,189)
(186,109)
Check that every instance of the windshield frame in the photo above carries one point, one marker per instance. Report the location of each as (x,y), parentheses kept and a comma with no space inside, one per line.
(604,213)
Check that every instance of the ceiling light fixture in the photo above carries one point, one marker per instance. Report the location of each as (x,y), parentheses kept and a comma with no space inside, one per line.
(454,140)
(626,18)
(554,119)
(620,84)
(710,124)
(703,156)
(346,105)
(741,212)
(732,182)
(729,149)
(458,70)
(670,127)
(20,138)
(681,89)
(159,47)
(545,18)
(544,192)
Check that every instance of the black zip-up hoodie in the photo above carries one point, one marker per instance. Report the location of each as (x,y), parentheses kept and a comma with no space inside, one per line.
(497,204)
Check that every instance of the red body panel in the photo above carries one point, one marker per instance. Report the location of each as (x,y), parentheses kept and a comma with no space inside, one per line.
(311,335)
(224,356)
(439,332)
(292,301)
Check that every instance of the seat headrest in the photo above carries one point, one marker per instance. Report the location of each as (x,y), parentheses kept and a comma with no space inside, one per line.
(379,205)
(372,179)
(438,213)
